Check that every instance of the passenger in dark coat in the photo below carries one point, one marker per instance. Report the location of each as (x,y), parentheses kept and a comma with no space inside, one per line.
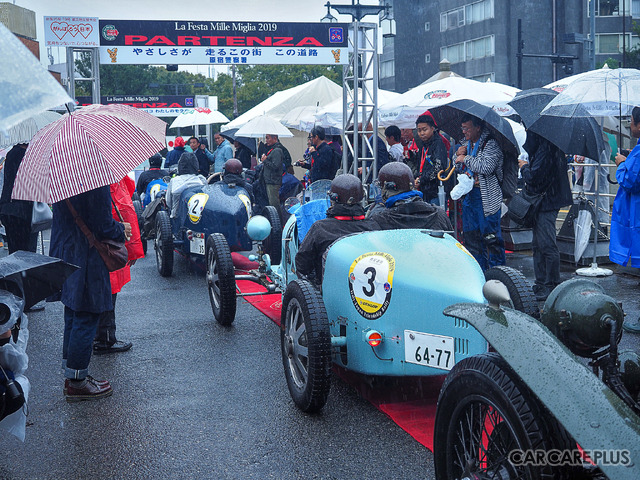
(404,207)
(321,166)
(432,157)
(344,217)
(16,214)
(152,174)
(546,171)
(87,292)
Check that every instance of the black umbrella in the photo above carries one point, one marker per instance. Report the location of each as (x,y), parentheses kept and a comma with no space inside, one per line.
(449,119)
(40,276)
(250,143)
(578,135)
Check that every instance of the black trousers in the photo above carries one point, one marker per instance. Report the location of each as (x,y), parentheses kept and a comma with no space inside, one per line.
(106,332)
(546,256)
(19,234)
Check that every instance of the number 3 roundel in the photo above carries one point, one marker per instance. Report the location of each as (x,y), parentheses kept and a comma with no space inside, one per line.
(371,283)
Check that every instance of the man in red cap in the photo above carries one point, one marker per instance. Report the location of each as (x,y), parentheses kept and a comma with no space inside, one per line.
(174,155)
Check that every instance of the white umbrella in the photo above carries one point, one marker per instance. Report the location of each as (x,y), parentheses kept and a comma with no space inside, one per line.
(604,92)
(199,116)
(405,109)
(263,125)
(26,130)
(26,87)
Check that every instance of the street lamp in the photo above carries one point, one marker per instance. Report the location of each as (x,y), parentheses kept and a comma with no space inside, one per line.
(328,18)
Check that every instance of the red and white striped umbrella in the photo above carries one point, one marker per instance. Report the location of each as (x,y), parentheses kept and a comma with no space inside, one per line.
(92,147)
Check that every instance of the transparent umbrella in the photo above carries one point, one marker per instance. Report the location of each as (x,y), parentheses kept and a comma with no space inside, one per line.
(24,131)
(604,92)
(26,87)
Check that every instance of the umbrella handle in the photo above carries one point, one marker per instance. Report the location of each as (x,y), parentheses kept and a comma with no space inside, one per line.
(448,175)
(612,182)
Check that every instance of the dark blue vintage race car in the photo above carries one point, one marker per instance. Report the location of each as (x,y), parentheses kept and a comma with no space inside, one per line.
(219,208)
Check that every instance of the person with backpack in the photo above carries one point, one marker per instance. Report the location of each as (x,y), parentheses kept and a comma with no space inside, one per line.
(481,207)
(148,176)
(322,165)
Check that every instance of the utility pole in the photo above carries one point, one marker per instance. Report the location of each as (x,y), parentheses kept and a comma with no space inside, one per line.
(235,96)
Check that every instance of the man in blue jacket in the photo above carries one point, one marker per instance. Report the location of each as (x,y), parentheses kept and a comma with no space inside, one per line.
(223,153)
(624,246)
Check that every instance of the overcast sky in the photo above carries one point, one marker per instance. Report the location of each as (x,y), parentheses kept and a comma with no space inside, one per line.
(208,10)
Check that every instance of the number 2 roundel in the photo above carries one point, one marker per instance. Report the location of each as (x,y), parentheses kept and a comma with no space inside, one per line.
(371,283)
(195,205)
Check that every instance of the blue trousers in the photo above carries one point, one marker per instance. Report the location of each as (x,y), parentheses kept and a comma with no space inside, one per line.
(482,235)
(79,331)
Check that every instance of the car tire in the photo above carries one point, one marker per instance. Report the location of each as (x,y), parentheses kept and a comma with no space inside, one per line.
(164,244)
(306,346)
(522,297)
(221,280)
(137,206)
(486,411)
(273,243)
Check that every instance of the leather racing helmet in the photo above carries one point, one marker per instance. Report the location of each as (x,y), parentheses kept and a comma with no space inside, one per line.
(346,189)
(395,177)
(233,165)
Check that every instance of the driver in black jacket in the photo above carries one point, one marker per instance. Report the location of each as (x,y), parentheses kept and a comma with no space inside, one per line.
(232,175)
(344,217)
(403,206)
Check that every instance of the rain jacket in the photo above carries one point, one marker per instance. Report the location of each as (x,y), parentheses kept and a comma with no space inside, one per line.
(187,177)
(88,289)
(624,246)
(322,163)
(15,208)
(435,159)
(223,153)
(121,194)
(274,165)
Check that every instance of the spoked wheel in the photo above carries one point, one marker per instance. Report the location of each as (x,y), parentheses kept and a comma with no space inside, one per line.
(137,206)
(485,413)
(164,244)
(272,244)
(306,346)
(221,280)
(522,297)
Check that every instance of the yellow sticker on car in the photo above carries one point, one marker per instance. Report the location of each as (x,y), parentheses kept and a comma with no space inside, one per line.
(371,283)
(247,203)
(195,206)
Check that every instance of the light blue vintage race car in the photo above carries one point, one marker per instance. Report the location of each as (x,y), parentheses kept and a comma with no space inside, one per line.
(379,311)
(518,401)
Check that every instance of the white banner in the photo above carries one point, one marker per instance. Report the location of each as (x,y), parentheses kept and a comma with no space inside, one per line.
(190,55)
(71,32)
(166,112)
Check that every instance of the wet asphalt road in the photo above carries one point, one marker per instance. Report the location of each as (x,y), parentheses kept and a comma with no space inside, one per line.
(196,400)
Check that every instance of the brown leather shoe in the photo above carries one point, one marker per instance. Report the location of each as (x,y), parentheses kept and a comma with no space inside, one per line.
(89,379)
(89,391)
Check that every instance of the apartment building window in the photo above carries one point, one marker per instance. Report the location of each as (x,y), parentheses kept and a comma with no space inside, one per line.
(467,14)
(427,58)
(453,53)
(427,25)
(470,50)
(611,43)
(635,8)
(387,69)
(609,8)
(480,48)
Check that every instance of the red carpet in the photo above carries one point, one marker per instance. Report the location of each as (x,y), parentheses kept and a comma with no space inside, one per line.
(409,402)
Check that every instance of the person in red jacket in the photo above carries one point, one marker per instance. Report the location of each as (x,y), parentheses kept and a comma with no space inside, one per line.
(105,340)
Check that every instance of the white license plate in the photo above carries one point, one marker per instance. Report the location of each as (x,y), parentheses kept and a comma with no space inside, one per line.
(196,245)
(429,350)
